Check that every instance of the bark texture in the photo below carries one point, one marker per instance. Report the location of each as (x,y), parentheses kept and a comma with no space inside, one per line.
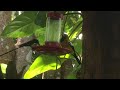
(101,45)
(6,44)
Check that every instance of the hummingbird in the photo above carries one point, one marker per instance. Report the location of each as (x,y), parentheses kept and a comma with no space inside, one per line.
(65,42)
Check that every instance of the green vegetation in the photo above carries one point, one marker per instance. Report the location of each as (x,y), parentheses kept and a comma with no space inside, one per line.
(34,23)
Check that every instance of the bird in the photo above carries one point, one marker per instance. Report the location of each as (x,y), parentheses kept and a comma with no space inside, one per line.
(65,43)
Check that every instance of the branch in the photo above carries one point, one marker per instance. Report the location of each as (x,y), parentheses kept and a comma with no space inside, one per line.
(72,13)
(29,43)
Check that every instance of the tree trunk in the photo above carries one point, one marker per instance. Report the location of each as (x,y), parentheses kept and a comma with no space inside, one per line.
(6,44)
(23,55)
(101,45)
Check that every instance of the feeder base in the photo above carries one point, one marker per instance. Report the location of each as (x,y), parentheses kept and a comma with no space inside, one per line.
(52,48)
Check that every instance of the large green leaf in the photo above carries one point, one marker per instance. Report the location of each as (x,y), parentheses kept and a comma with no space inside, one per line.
(42,64)
(23,25)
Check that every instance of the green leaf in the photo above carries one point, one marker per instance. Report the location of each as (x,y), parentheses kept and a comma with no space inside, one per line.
(73,26)
(72,75)
(75,31)
(23,25)
(40,34)
(41,19)
(71,21)
(78,46)
(42,64)
(3,68)
(64,56)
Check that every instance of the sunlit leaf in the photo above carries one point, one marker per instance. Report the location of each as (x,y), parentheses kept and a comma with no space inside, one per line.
(23,25)
(42,64)
(65,56)
(71,21)
(75,31)
(73,26)
(3,68)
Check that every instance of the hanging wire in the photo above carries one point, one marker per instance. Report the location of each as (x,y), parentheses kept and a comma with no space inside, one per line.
(56,69)
(59,60)
(56,63)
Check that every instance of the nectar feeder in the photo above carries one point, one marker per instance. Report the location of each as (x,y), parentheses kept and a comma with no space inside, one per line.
(53,35)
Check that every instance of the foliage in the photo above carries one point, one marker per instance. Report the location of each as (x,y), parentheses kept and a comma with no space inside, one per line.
(34,23)
(3,67)
(72,74)
(22,26)
(26,24)
(41,64)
